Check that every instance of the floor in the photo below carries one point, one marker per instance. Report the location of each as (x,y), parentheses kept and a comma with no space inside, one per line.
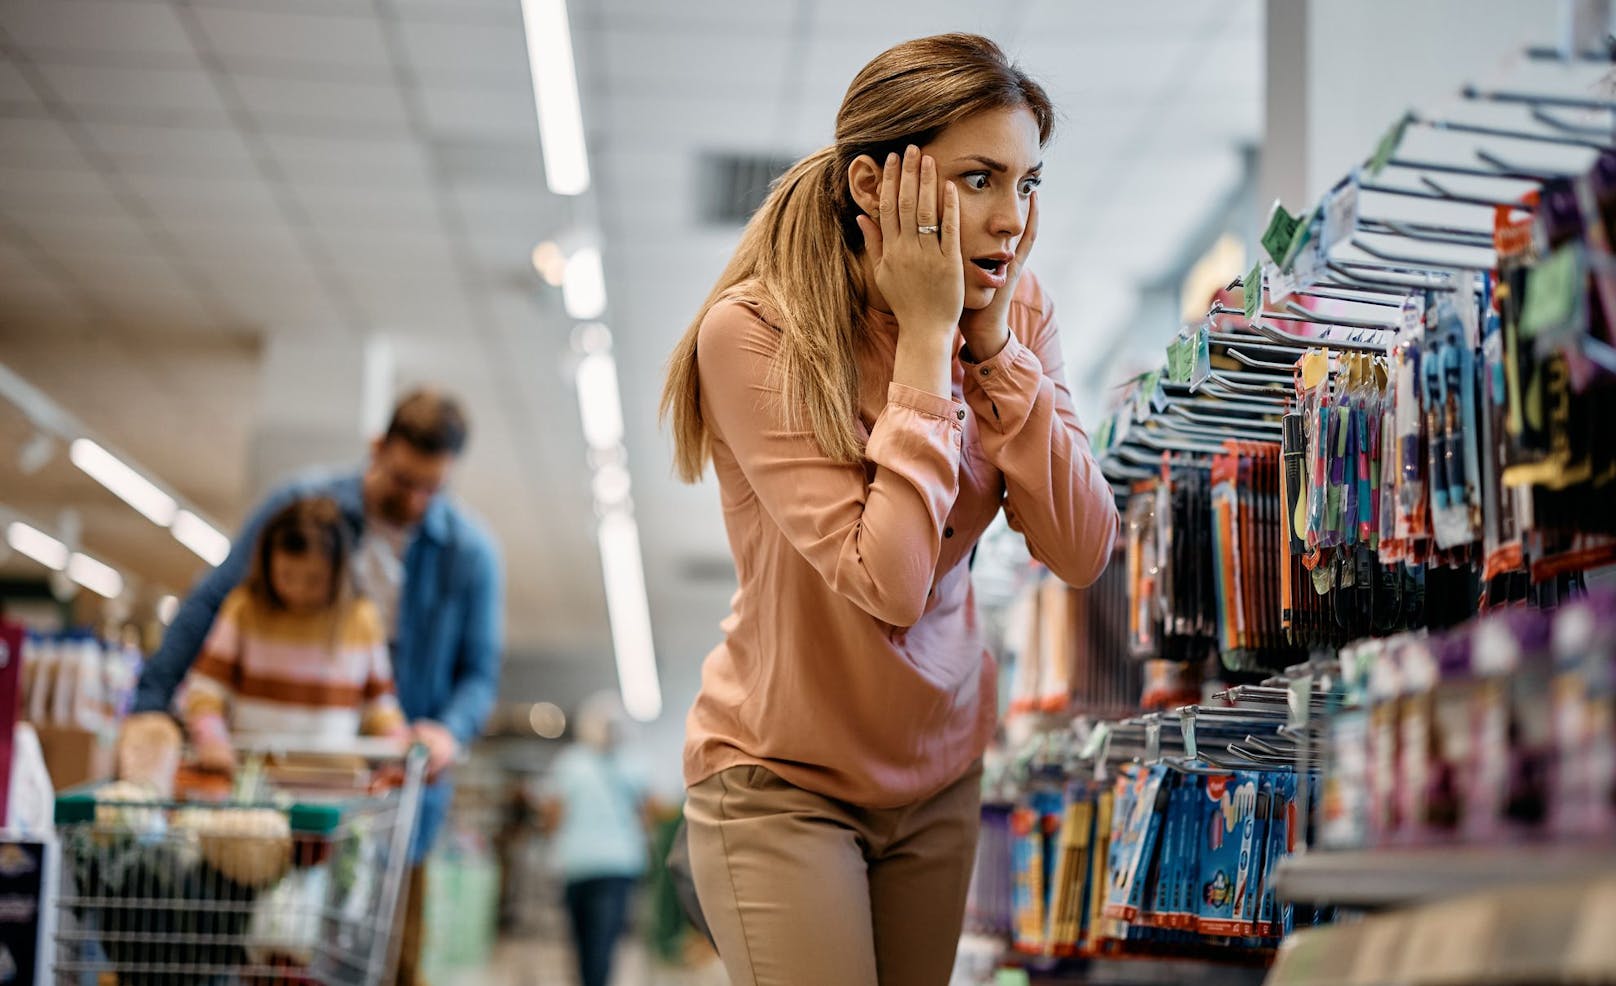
(538,962)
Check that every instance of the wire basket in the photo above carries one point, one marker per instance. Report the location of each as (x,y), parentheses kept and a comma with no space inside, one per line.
(259,892)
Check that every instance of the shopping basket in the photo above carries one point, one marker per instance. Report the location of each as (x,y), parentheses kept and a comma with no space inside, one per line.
(297,886)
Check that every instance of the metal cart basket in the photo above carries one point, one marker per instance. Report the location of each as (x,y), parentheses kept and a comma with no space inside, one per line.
(301,887)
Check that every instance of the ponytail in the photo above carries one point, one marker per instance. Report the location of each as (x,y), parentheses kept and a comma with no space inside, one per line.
(794,253)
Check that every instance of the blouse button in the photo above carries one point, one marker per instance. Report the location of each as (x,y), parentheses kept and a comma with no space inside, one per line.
(960,415)
(986,371)
(948,532)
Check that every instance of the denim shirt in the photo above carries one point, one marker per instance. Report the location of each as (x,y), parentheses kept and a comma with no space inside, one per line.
(450,628)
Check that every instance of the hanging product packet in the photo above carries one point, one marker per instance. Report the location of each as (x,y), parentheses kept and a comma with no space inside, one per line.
(1228,818)
(1513,740)
(1583,800)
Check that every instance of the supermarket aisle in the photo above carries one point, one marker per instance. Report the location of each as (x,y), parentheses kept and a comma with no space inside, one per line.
(540,962)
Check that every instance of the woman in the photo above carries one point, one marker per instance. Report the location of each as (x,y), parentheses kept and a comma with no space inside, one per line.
(874,374)
(596,812)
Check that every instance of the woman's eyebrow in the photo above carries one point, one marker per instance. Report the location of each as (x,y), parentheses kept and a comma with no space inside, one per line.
(997,166)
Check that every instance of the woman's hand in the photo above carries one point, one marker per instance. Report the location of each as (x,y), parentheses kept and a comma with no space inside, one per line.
(919,274)
(216,754)
(987,330)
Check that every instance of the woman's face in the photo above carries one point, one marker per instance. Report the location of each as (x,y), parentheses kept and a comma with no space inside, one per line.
(994,160)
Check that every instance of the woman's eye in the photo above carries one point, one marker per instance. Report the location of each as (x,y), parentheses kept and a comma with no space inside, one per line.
(976,180)
(1029,184)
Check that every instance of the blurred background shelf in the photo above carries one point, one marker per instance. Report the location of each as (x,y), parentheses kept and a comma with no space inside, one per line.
(1389,877)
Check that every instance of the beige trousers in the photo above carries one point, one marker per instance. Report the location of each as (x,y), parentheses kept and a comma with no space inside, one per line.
(804,890)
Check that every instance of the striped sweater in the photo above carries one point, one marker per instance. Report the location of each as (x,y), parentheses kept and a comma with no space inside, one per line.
(325,676)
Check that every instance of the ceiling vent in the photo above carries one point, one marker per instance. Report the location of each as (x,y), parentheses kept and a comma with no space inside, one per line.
(734,185)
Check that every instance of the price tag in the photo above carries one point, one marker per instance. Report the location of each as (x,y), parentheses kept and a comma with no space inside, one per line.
(1097,739)
(1253,290)
(1186,723)
(1413,316)
(1011,977)
(1276,239)
(1281,284)
(1305,234)
(1387,148)
(1300,700)
(1201,364)
(1341,213)
(1152,740)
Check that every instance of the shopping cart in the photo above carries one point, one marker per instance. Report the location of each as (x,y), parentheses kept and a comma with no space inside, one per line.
(283,885)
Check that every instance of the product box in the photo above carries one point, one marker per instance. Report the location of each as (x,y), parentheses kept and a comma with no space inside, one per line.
(75,756)
(1134,842)
(1229,833)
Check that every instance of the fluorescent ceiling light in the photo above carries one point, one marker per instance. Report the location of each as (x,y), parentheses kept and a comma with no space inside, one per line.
(168,607)
(555,94)
(599,405)
(201,537)
(38,545)
(583,289)
(124,482)
(101,579)
(630,616)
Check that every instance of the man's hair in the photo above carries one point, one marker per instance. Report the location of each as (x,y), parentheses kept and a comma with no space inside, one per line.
(430,422)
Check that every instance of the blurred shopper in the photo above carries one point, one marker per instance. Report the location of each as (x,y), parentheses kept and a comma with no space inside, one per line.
(596,812)
(874,375)
(294,651)
(434,575)
(518,824)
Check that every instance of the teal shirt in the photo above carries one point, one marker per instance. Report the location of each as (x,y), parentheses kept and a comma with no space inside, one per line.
(601,833)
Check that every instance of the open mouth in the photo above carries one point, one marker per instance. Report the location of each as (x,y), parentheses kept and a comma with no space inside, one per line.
(990,264)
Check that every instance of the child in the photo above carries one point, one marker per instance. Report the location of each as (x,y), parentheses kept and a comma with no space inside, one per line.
(293,651)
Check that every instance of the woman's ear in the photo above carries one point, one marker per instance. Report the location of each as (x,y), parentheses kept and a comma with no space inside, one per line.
(864,183)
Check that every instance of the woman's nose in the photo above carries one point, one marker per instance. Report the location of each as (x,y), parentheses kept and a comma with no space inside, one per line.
(1009,217)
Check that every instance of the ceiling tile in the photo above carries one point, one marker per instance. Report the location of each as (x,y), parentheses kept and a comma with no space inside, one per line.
(295,37)
(95,25)
(65,236)
(13,87)
(492,55)
(379,162)
(362,209)
(32,143)
(459,113)
(283,104)
(404,252)
(179,153)
(212,200)
(184,90)
(40,192)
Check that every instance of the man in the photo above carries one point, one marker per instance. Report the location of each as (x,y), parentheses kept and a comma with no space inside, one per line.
(433,573)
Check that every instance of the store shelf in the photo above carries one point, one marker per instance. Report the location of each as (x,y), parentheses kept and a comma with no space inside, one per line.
(1542,933)
(1157,972)
(1388,877)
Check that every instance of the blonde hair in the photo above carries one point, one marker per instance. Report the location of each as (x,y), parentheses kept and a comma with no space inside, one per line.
(800,250)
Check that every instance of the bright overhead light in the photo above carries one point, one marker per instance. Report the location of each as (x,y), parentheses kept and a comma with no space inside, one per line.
(599,405)
(550,263)
(583,290)
(555,95)
(547,720)
(38,545)
(630,615)
(201,537)
(101,579)
(124,482)
(168,607)
(611,485)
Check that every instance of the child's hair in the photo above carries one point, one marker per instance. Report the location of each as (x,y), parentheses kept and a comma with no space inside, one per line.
(311,524)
